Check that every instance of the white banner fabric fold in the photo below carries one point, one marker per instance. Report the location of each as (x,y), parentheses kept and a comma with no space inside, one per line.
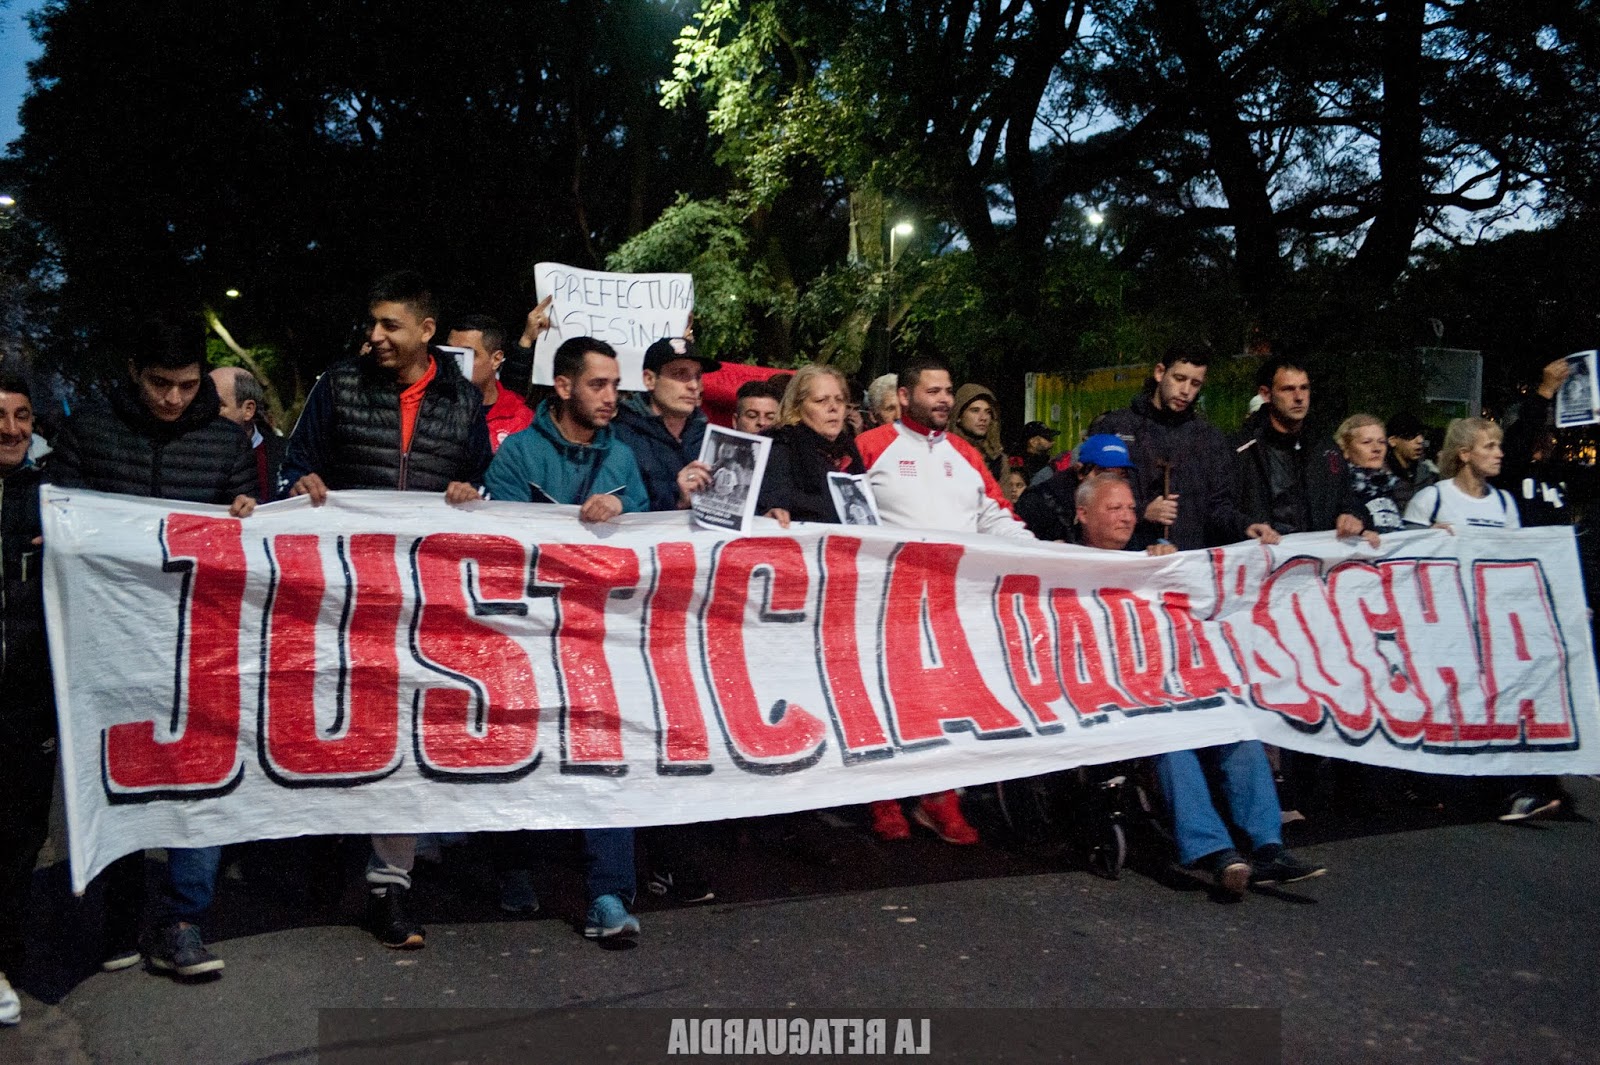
(389,663)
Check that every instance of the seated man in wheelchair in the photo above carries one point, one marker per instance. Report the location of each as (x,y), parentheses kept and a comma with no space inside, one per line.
(1107,517)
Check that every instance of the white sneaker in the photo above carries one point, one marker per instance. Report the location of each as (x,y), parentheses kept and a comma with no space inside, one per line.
(10,1004)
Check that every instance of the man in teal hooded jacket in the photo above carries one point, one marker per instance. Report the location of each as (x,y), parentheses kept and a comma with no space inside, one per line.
(569,455)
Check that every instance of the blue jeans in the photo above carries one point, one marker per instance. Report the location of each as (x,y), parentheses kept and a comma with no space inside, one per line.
(609,856)
(1247,785)
(189,885)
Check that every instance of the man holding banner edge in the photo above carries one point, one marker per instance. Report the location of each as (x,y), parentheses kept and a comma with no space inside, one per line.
(399,418)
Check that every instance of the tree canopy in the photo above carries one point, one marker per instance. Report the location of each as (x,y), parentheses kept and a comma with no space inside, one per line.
(1014,184)
(1240,148)
(293,151)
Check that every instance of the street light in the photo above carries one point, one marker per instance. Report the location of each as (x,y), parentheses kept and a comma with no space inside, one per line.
(901,229)
(1095,218)
(232,293)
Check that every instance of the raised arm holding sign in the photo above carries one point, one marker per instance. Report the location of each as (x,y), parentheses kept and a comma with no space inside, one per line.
(627,311)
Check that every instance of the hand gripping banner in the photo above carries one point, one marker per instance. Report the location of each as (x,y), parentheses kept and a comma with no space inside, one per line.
(389,663)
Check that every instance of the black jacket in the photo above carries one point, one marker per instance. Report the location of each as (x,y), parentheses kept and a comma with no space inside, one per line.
(269,460)
(797,472)
(661,456)
(1050,509)
(1200,472)
(349,431)
(1274,469)
(119,447)
(1536,486)
(27,709)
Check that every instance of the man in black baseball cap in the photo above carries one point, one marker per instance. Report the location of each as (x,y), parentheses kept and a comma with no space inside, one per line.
(664,424)
(1038,439)
(664,427)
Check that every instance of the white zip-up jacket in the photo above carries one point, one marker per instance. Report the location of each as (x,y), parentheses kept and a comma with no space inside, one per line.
(924,478)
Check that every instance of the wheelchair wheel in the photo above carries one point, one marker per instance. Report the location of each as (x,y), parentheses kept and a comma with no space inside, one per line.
(1109,853)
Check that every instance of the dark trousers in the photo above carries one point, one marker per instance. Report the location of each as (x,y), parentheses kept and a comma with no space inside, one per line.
(27,780)
(607,856)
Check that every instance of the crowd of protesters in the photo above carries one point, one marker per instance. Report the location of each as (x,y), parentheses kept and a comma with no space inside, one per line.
(1155,477)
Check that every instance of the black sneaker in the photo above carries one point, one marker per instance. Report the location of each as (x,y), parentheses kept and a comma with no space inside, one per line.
(386,921)
(120,958)
(179,949)
(1227,869)
(1527,804)
(1275,865)
(679,887)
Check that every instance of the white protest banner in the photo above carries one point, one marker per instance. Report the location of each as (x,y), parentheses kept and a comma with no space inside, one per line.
(627,311)
(389,663)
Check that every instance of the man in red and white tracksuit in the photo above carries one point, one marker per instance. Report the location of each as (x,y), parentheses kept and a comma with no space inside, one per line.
(924,478)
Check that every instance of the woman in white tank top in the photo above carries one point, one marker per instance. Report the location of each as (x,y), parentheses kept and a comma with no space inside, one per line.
(1470,456)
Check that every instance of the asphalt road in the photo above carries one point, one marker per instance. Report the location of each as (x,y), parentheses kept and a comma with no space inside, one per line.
(1434,938)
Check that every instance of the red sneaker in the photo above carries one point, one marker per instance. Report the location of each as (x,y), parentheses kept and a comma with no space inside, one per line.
(941,815)
(889,821)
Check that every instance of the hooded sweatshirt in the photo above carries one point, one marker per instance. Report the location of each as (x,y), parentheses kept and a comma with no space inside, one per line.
(660,455)
(566,472)
(993,452)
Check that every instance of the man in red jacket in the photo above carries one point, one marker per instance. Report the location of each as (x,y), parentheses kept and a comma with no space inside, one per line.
(503,409)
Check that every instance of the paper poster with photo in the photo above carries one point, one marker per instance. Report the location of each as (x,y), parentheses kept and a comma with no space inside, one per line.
(464,358)
(627,311)
(852,499)
(1578,402)
(738,461)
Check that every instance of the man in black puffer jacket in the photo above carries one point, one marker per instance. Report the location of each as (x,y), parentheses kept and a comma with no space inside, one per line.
(161,435)
(400,417)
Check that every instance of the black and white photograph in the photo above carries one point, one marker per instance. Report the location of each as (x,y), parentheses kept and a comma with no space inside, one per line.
(852,499)
(737,462)
(1578,403)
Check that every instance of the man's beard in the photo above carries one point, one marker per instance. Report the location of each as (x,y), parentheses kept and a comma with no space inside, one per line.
(589,420)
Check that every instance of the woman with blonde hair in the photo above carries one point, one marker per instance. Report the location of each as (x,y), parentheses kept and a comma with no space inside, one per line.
(808,443)
(1361,438)
(1463,497)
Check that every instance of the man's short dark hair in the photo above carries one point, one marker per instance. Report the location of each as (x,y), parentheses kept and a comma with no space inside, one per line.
(14,379)
(912,371)
(170,341)
(571,354)
(407,287)
(1191,353)
(756,390)
(494,335)
(1269,369)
